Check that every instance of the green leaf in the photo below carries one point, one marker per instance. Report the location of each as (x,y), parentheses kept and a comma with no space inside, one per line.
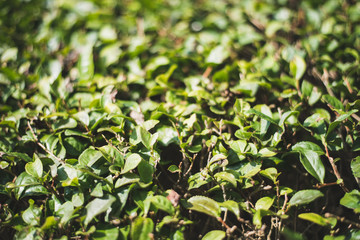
(50,222)
(310,159)
(97,206)
(105,232)
(86,64)
(214,235)
(270,173)
(144,136)
(258,215)
(66,211)
(127,178)
(263,116)
(355,167)
(167,135)
(351,200)
(238,146)
(141,228)
(217,55)
(131,162)
(305,197)
(161,202)
(297,67)
(89,157)
(316,218)
(97,191)
(338,120)
(27,185)
(303,146)
(82,117)
(333,102)
(227,177)
(204,205)
(35,168)
(32,215)
(232,206)
(264,203)
(146,171)
(65,124)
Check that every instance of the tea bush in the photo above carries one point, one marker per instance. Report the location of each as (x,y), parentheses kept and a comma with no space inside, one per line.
(186,119)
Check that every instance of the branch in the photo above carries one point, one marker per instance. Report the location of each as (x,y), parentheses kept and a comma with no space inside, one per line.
(336,172)
(42,146)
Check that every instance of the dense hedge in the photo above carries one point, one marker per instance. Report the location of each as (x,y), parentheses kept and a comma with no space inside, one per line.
(183,119)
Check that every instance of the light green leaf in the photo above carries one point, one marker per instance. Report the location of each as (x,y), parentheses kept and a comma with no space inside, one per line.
(305,197)
(297,67)
(35,168)
(144,136)
(238,146)
(141,228)
(97,191)
(86,64)
(355,167)
(259,214)
(64,124)
(131,162)
(214,235)
(316,218)
(97,206)
(105,232)
(205,205)
(161,202)
(227,177)
(351,200)
(32,214)
(50,222)
(216,158)
(270,173)
(264,203)
(127,179)
(232,206)
(89,157)
(217,55)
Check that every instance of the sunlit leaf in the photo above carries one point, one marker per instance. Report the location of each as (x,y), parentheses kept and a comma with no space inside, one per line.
(305,197)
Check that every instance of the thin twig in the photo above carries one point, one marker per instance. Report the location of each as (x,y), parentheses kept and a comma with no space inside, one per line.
(342,219)
(42,146)
(207,72)
(336,172)
(348,85)
(108,142)
(223,223)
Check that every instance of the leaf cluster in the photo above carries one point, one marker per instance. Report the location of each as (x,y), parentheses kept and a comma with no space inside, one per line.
(179,119)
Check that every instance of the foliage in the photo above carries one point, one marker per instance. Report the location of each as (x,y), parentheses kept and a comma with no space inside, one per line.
(179,119)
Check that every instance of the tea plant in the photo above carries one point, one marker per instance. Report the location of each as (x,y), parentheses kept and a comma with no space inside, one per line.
(179,119)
